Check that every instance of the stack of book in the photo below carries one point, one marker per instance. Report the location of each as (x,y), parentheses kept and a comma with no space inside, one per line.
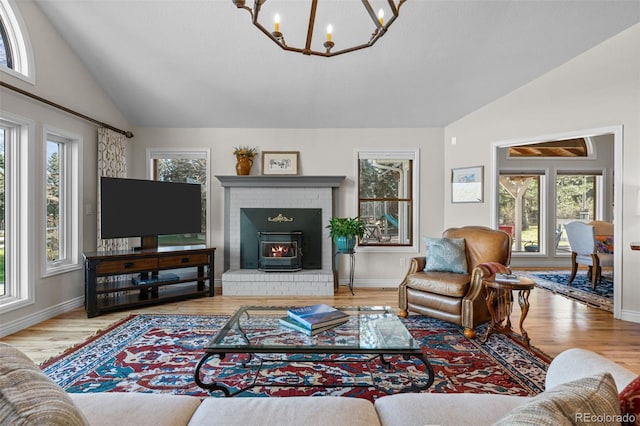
(314,319)
(507,278)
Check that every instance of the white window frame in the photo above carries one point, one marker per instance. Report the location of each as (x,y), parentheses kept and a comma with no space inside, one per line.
(69,192)
(19,43)
(186,153)
(19,184)
(396,154)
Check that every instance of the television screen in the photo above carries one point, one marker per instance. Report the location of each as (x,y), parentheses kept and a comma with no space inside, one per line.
(137,208)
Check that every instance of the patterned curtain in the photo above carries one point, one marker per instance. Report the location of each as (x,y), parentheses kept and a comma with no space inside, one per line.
(112,162)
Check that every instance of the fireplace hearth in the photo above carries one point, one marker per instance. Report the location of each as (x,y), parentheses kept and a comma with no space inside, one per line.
(280,251)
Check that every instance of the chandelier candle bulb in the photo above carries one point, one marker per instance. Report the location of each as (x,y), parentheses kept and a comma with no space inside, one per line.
(276,20)
(329,31)
(381,16)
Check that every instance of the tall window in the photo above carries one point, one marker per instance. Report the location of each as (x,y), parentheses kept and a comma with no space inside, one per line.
(519,210)
(387,197)
(62,227)
(189,166)
(16,183)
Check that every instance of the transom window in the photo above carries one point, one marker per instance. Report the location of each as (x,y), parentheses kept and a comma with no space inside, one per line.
(16,55)
(6,58)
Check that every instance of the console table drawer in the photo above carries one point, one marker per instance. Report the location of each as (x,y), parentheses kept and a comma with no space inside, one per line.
(126,266)
(183,260)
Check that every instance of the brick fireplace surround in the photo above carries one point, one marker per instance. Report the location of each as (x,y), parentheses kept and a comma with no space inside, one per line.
(314,192)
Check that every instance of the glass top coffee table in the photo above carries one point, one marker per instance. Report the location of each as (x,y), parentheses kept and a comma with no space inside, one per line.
(254,337)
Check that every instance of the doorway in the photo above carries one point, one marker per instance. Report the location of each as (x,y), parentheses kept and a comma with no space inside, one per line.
(542,182)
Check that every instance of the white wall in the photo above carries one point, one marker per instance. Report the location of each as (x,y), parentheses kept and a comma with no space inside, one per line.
(62,78)
(322,152)
(599,88)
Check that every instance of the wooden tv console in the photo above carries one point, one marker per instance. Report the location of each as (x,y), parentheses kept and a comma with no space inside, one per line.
(145,277)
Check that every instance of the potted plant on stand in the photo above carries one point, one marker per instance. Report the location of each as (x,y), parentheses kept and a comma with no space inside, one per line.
(344,230)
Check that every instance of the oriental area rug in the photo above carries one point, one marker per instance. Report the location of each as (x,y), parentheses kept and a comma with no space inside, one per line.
(159,354)
(579,290)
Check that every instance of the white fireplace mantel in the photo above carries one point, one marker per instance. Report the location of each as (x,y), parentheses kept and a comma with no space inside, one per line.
(285,181)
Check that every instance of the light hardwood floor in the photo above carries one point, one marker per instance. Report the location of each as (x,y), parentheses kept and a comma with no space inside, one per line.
(554,323)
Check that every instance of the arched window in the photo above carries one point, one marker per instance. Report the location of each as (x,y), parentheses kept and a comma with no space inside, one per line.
(6,58)
(16,56)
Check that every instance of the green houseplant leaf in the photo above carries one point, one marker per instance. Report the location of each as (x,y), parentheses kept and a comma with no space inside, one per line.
(346,227)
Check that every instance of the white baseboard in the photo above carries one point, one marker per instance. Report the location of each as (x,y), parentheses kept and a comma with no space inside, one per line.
(37,317)
(372,283)
(632,316)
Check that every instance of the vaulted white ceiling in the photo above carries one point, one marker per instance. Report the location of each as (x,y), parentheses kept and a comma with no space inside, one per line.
(200,63)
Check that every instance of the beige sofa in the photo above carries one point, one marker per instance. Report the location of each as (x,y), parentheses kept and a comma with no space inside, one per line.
(28,397)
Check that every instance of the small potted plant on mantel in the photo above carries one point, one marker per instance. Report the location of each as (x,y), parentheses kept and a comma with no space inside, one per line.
(344,230)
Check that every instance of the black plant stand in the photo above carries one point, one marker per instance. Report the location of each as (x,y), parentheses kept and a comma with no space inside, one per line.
(352,255)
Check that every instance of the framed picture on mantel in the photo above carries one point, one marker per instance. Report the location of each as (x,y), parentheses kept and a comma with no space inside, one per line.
(280,163)
(466,185)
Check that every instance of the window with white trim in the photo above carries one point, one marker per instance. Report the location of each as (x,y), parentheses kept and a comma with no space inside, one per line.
(16,278)
(61,190)
(388,197)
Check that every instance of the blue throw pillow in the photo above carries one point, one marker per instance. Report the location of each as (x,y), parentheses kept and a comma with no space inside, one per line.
(446,255)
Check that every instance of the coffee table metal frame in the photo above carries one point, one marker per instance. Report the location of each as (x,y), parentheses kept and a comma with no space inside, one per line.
(233,339)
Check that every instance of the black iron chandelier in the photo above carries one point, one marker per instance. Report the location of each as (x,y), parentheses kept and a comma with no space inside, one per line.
(380,27)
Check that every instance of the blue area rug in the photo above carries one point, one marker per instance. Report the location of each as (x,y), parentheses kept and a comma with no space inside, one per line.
(579,290)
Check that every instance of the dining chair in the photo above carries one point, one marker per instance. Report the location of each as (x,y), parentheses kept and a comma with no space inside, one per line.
(582,240)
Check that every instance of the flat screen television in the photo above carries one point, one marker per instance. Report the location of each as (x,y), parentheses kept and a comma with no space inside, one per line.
(148,208)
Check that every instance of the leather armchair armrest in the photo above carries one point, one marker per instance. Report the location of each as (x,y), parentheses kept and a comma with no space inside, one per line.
(417,264)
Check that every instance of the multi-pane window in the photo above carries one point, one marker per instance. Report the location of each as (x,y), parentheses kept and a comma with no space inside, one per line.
(61,190)
(387,197)
(189,166)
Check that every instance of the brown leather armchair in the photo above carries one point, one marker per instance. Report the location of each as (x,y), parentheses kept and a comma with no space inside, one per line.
(456,298)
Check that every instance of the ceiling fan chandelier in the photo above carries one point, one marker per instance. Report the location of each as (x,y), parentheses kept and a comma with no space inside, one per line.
(380,27)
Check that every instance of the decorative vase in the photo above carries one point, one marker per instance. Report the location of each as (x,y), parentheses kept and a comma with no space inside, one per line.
(345,244)
(243,165)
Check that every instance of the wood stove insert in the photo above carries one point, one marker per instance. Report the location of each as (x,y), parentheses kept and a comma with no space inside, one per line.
(280,251)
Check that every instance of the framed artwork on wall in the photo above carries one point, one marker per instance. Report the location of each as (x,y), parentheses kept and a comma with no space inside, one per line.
(280,162)
(467,185)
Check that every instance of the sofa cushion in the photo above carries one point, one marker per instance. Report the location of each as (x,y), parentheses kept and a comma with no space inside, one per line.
(563,368)
(295,410)
(28,396)
(443,283)
(588,400)
(131,408)
(446,255)
(454,409)
(630,403)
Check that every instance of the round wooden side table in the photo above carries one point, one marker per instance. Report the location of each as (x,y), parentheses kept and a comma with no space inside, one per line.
(500,305)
